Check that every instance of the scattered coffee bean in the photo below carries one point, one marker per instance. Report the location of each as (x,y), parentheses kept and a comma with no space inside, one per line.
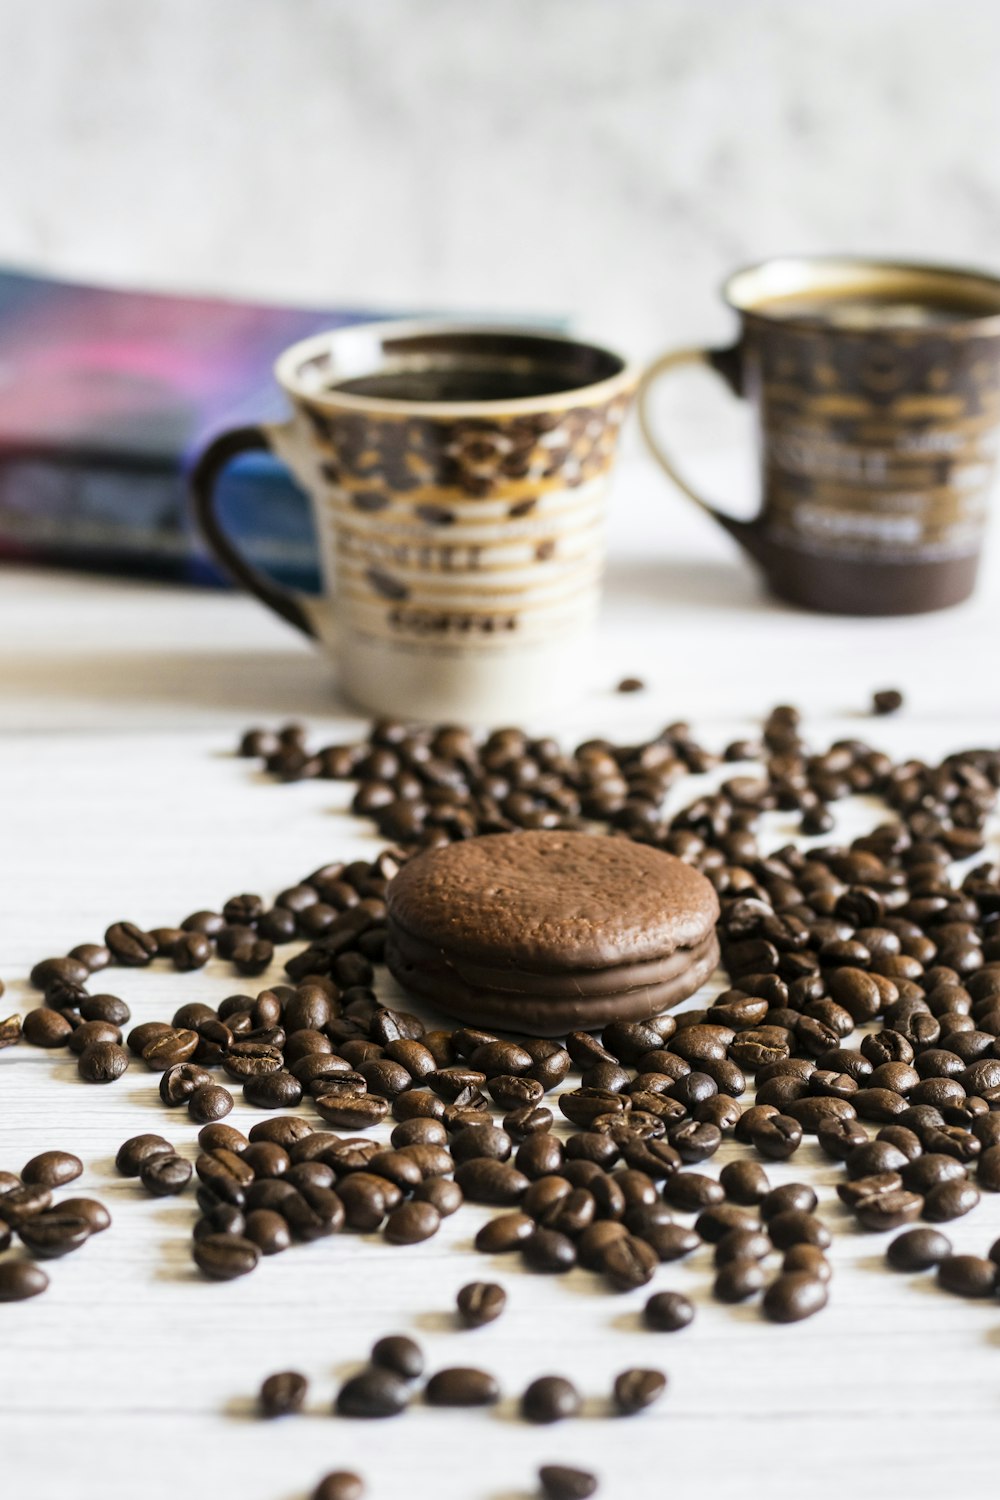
(223,1257)
(52,1169)
(967,1275)
(480,1302)
(635,1390)
(461,1386)
(399,1354)
(283,1394)
(668,1312)
(21,1279)
(794,1295)
(550,1398)
(918,1250)
(559,1482)
(373,1393)
(341,1484)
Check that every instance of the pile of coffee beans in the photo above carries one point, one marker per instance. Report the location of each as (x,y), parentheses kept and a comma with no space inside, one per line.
(47,1229)
(863,1011)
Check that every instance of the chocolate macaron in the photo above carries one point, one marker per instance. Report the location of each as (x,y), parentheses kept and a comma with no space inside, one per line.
(548,932)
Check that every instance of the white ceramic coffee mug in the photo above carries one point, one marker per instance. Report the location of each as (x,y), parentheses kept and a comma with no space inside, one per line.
(458,480)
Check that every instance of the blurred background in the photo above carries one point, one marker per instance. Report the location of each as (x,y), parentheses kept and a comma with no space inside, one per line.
(610,161)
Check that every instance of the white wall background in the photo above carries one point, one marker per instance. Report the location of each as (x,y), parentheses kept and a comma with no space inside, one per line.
(608,158)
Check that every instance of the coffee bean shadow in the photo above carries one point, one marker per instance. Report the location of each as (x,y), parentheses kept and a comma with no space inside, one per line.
(241,1409)
(437,1322)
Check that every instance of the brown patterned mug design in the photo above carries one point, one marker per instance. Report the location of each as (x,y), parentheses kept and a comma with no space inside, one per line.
(458,479)
(877,392)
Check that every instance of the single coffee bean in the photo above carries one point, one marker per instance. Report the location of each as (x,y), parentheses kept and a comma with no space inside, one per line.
(46,1028)
(373,1393)
(283,1394)
(918,1250)
(548,1251)
(737,1280)
(461,1386)
(950,1200)
(22,1203)
(210,1101)
(446,1196)
(411,1223)
(480,1302)
(341,1484)
(21,1279)
(550,1398)
(165,1174)
(967,1275)
(636,1390)
(793,1227)
(988,1170)
(628,1262)
(102,1062)
(668,1312)
(94,1214)
(223,1257)
(559,1482)
(744,1182)
(776,1137)
(712,1223)
(484,1180)
(179,1082)
(399,1354)
(129,945)
(743,1244)
(790,1196)
(215,1137)
(692,1191)
(52,1169)
(53,1234)
(807,1258)
(794,1295)
(266,1228)
(90,1033)
(505,1233)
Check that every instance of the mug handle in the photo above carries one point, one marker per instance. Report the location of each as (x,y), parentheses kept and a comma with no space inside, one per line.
(205,475)
(727,363)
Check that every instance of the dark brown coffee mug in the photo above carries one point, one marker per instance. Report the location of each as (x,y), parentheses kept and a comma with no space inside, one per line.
(876,387)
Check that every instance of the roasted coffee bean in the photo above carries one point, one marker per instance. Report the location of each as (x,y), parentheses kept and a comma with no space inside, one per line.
(790,1196)
(445,1195)
(399,1354)
(559,1482)
(268,1230)
(54,1233)
(874,1157)
(276,1090)
(46,1028)
(480,1302)
(777,1137)
(738,1280)
(918,1250)
(743,1244)
(949,1200)
(988,1169)
(668,1312)
(102,1062)
(483,1140)
(628,1262)
(209,1101)
(967,1275)
(692,1191)
(164,1174)
(794,1227)
(283,1394)
(548,1251)
(89,1033)
(505,1233)
(744,1182)
(94,1214)
(794,1295)
(411,1223)
(52,1169)
(341,1484)
(21,1279)
(461,1386)
(809,1258)
(223,1257)
(484,1180)
(352,1113)
(837,1138)
(712,1223)
(373,1393)
(22,1203)
(888,1210)
(216,1137)
(550,1398)
(636,1390)
(129,945)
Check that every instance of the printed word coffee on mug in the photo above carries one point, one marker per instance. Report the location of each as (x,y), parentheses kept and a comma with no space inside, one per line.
(458,478)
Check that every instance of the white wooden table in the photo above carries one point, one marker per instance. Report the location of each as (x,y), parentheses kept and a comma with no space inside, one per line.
(133,1379)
